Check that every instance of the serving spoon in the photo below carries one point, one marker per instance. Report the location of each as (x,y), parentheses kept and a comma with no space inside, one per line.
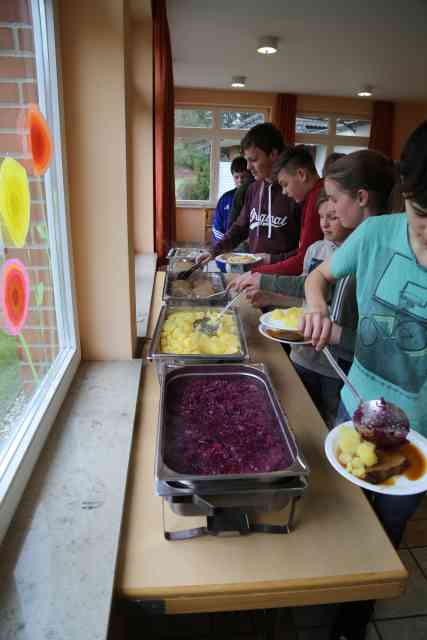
(184,275)
(376,419)
(207,325)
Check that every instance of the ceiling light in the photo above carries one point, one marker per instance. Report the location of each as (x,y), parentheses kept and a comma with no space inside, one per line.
(365,92)
(267,45)
(238,81)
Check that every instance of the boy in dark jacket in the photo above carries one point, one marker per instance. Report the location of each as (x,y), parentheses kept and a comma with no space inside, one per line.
(221,219)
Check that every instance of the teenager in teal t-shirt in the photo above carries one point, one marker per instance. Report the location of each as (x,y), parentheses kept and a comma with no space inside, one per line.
(388,255)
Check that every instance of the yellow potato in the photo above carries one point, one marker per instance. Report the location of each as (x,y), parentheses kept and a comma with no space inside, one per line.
(179,336)
(348,440)
(290,318)
(366,452)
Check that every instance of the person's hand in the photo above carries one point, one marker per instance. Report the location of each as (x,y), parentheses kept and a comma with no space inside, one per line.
(266,257)
(245,280)
(259,298)
(204,256)
(316,326)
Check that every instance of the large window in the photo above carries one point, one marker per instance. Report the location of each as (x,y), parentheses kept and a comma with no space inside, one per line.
(38,338)
(325,133)
(206,142)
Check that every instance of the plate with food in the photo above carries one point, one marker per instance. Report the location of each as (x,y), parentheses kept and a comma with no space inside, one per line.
(282,335)
(397,470)
(286,319)
(239,258)
(237,262)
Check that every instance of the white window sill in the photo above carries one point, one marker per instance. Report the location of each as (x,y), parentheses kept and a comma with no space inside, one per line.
(58,559)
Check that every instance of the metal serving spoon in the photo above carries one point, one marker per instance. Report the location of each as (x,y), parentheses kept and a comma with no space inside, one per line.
(375,417)
(207,325)
(184,275)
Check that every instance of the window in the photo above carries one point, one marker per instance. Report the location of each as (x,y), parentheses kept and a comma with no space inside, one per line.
(39,350)
(325,133)
(206,142)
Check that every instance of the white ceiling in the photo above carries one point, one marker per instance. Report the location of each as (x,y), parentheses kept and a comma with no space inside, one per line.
(326,47)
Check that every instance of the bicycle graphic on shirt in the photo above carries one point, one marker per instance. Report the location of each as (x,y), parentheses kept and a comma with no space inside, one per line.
(408,334)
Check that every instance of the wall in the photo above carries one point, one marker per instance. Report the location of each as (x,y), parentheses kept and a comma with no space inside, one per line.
(93,74)
(408,115)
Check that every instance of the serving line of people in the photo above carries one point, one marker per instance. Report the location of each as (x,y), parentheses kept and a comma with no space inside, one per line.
(365,280)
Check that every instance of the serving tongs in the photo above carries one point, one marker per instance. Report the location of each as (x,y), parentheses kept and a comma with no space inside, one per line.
(184,275)
(208,326)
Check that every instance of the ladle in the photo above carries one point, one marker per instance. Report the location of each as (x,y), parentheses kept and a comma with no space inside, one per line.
(372,415)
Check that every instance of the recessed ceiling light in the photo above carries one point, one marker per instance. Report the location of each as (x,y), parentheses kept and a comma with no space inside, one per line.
(238,81)
(268,45)
(365,92)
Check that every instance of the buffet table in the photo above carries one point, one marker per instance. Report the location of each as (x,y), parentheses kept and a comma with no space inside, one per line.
(336,552)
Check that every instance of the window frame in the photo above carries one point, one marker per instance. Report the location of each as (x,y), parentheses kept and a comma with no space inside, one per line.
(40,414)
(214,135)
(332,139)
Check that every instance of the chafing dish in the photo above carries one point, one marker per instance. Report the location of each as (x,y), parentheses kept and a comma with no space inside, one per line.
(158,356)
(180,264)
(191,253)
(242,493)
(216,279)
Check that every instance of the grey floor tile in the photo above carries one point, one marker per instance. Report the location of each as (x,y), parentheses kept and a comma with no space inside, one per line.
(372,633)
(314,616)
(421,512)
(322,633)
(316,633)
(421,557)
(413,601)
(416,533)
(405,629)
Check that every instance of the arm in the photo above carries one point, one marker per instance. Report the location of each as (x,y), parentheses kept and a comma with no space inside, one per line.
(238,232)
(310,233)
(218,224)
(317,324)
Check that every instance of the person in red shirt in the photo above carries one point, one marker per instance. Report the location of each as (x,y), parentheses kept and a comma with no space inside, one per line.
(296,173)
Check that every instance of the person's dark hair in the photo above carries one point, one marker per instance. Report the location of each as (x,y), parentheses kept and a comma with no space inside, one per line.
(321,198)
(331,158)
(265,136)
(239,165)
(366,169)
(293,158)
(413,166)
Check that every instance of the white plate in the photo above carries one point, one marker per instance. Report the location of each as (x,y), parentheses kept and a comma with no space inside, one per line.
(221,258)
(263,331)
(268,322)
(401,487)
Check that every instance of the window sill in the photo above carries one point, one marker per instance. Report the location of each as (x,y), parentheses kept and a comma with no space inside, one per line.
(58,558)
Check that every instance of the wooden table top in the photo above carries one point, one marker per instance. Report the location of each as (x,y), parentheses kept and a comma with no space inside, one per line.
(337,551)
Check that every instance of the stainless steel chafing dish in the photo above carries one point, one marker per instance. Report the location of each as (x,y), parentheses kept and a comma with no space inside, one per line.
(216,279)
(191,253)
(239,493)
(180,264)
(158,356)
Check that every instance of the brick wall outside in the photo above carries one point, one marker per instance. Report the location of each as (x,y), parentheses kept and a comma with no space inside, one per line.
(18,88)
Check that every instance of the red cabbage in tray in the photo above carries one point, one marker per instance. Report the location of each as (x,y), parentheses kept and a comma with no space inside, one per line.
(222,425)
